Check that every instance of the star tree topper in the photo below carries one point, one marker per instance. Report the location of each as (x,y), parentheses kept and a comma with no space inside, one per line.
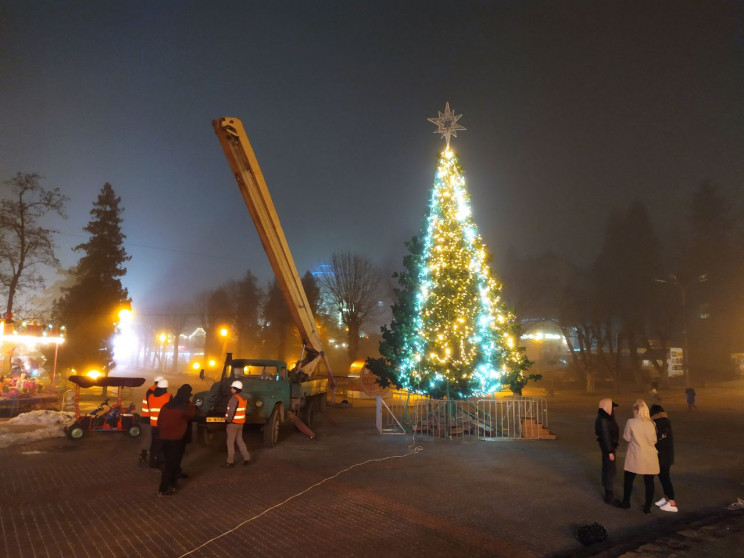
(447,123)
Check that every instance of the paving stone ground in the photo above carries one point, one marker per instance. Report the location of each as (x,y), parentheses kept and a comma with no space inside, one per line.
(354,493)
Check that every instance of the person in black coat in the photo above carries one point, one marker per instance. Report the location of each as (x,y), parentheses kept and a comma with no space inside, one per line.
(174,429)
(665,447)
(608,437)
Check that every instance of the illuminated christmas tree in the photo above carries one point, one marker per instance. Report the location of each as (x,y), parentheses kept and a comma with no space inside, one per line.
(462,340)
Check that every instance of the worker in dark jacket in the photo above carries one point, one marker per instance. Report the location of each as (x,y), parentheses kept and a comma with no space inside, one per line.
(608,437)
(665,447)
(173,430)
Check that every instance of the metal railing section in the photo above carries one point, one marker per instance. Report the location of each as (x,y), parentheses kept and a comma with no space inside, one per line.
(463,420)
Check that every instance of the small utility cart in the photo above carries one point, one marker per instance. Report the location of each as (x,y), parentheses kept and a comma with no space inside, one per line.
(107,417)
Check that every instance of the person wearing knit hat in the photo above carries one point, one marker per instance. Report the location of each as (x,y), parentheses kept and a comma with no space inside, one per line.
(665,446)
(608,437)
(146,437)
(173,430)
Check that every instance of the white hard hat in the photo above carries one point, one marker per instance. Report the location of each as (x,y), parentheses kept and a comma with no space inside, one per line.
(156,379)
(163,384)
(237,384)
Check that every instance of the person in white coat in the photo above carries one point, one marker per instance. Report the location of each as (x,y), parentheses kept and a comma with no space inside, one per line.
(641,457)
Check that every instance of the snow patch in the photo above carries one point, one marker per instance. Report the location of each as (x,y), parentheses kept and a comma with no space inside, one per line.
(41,425)
(44,418)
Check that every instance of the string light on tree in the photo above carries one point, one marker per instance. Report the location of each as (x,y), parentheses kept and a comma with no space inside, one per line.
(463,339)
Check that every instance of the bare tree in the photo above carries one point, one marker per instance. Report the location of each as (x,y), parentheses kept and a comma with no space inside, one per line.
(172,318)
(24,244)
(352,288)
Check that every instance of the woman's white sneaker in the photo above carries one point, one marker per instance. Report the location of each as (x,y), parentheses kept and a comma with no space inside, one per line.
(660,502)
(669,507)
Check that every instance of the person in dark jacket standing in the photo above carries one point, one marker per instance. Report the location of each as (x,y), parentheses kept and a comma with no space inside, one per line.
(173,429)
(608,437)
(665,447)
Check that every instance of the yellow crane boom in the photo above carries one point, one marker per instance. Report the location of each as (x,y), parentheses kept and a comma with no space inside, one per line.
(250,179)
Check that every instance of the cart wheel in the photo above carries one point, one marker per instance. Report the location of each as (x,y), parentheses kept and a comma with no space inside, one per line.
(75,432)
(134,430)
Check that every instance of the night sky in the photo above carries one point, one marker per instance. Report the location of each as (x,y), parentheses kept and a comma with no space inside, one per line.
(571,108)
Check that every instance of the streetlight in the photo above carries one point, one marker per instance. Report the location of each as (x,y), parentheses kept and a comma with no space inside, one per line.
(224,332)
(683,296)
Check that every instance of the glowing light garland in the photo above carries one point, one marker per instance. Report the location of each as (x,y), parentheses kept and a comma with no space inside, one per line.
(463,337)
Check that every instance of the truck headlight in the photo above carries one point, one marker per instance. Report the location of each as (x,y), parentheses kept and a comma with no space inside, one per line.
(198,401)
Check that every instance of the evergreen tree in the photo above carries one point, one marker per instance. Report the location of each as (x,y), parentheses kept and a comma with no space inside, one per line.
(89,309)
(714,306)
(248,303)
(312,292)
(395,337)
(278,323)
(460,339)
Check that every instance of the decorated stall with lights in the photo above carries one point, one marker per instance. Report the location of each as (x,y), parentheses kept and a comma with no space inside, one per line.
(26,380)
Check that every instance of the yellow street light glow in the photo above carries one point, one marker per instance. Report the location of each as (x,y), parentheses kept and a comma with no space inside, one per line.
(94,374)
(196,366)
(223,332)
(162,337)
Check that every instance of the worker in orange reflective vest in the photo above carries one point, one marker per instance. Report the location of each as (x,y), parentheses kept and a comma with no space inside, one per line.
(146,438)
(234,421)
(155,402)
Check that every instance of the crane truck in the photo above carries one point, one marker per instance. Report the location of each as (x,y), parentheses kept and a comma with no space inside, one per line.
(274,393)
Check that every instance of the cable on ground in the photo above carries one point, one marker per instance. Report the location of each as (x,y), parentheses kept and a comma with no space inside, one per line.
(413,449)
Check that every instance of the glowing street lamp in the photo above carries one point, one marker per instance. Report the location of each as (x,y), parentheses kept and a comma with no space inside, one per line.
(224,333)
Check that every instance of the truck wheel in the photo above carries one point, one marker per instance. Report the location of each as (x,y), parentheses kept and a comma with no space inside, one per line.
(310,412)
(271,429)
(134,430)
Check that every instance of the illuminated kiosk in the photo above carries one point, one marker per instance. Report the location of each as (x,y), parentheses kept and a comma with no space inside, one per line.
(22,367)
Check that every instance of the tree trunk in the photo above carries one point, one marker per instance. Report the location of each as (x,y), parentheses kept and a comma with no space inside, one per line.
(353,340)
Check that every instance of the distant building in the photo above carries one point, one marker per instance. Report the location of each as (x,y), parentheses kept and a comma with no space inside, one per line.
(545,346)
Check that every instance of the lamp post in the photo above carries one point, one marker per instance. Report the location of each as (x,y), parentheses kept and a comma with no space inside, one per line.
(224,332)
(163,337)
(683,297)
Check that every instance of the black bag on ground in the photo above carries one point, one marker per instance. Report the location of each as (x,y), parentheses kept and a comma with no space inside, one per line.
(591,533)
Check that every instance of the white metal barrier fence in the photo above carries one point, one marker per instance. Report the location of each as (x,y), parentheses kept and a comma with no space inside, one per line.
(482,419)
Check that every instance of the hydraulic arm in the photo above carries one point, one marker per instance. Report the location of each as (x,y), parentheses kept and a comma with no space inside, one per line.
(249,177)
